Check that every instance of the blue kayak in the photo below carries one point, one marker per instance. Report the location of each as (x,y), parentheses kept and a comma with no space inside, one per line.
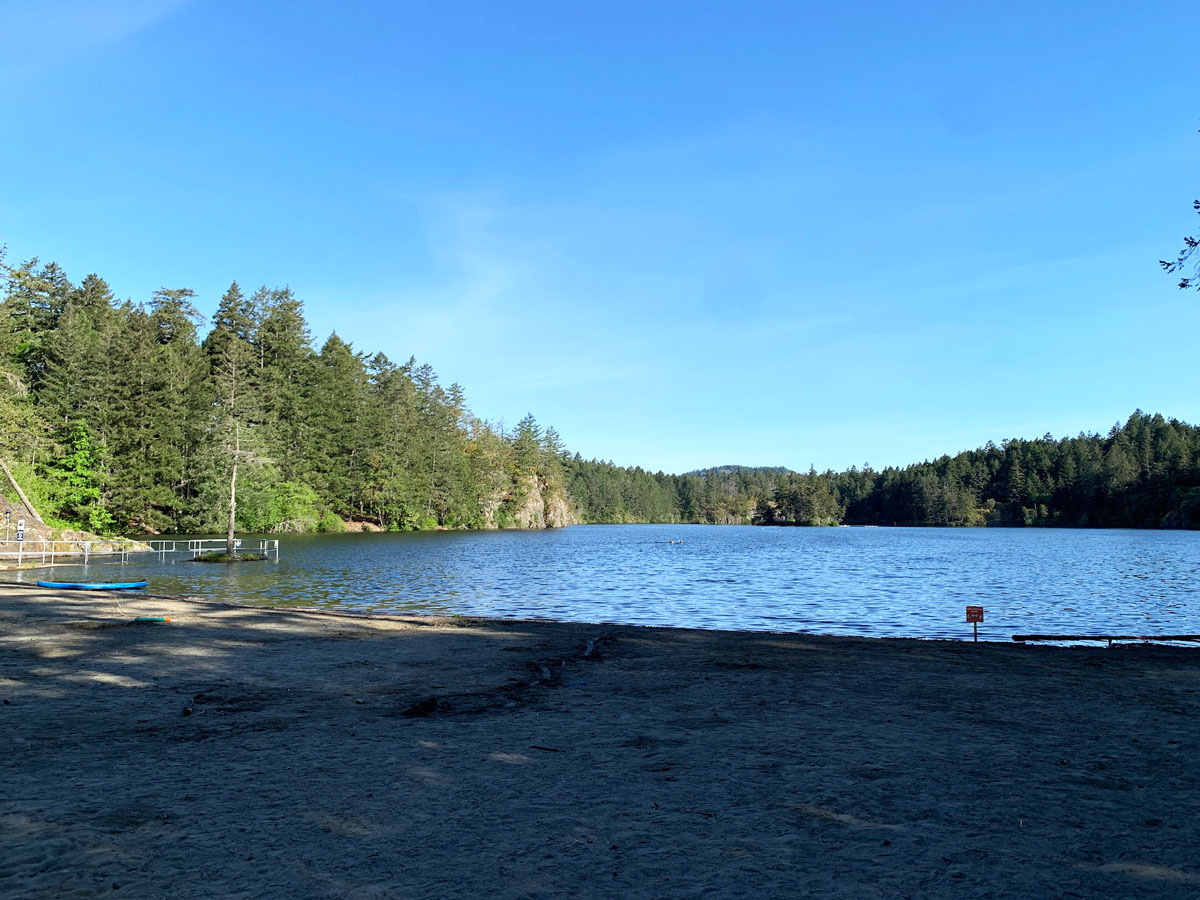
(98,586)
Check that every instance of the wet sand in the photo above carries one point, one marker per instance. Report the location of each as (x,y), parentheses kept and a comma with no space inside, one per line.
(339,756)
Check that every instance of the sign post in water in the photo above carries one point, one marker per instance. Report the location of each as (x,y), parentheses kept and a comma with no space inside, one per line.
(975,616)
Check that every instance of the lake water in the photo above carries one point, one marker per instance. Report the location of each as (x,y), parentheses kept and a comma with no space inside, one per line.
(910,582)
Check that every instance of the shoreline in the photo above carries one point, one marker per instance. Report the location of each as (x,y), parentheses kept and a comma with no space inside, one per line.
(342,754)
(1089,641)
(460,620)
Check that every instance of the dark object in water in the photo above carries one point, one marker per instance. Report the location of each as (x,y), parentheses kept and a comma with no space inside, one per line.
(424,708)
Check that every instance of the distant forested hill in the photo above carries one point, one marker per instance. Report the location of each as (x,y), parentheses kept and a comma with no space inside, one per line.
(122,416)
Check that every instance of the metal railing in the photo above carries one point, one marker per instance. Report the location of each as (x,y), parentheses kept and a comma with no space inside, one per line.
(49,552)
(197,546)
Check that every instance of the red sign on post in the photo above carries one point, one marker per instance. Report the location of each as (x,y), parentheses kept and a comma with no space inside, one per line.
(975,616)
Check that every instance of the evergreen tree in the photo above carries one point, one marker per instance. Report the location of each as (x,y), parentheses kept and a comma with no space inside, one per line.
(286,379)
(337,455)
(234,368)
(34,301)
(1180,263)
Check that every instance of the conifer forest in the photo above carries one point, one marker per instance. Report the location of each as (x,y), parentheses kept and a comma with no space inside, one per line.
(140,417)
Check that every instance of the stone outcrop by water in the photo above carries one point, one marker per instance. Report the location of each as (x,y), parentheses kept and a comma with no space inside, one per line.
(35,528)
(38,535)
(532,502)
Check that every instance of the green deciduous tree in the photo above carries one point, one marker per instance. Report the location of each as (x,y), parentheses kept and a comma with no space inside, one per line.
(74,483)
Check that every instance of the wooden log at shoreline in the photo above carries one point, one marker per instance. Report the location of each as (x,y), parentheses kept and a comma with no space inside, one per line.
(20,493)
(1105,637)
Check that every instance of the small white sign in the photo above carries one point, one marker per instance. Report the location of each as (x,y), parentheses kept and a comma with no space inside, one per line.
(20,524)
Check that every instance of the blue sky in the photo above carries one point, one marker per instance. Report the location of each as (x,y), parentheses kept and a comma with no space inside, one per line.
(683,234)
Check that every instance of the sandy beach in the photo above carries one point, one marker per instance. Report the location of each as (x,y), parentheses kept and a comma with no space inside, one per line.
(237,752)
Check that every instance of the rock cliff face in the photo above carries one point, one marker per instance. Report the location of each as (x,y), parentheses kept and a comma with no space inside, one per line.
(68,542)
(559,513)
(35,528)
(531,502)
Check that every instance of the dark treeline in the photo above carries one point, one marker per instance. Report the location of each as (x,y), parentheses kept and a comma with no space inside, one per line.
(1143,474)
(122,416)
